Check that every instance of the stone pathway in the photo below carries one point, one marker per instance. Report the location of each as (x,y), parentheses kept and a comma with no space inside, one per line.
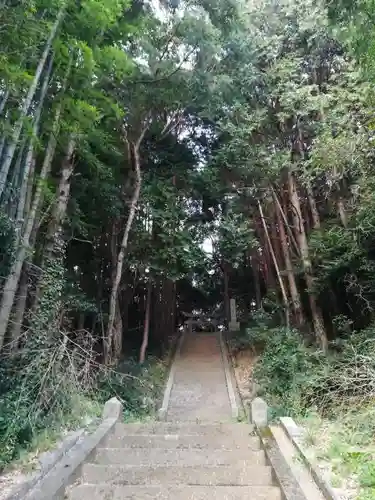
(199,391)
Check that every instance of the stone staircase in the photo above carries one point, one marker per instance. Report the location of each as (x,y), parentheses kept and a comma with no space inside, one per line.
(196,453)
(171,461)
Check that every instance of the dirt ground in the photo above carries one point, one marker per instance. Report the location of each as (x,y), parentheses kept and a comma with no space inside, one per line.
(243,363)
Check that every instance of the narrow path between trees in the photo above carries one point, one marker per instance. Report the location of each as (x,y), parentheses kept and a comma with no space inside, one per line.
(199,391)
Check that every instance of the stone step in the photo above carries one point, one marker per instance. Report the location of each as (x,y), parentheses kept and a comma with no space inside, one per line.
(190,429)
(178,441)
(210,412)
(176,475)
(160,456)
(104,492)
(180,414)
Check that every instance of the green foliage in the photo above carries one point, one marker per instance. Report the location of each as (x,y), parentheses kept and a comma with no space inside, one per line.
(76,300)
(227,99)
(138,387)
(31,392)
(334,252)
(297,378)
(342,444)
(288,369)
(54,381)
(355,22)
(367,472)
(235,237)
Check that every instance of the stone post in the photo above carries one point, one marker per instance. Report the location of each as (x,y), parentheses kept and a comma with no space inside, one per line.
(233,324)
(259,412)
(112,409)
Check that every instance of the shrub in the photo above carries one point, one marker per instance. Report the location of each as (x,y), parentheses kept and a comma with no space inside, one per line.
(40,388)
(138,387)
(255,334)
(296,378)
(288,370)
(62,385)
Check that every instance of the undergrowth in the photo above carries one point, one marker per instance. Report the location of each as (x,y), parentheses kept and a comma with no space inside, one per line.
(50,381)
(344,445)
(296,377)
(44,393)
(332,394)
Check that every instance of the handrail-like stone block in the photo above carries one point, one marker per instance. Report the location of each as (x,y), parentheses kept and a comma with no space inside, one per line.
(295,435)
(50,483)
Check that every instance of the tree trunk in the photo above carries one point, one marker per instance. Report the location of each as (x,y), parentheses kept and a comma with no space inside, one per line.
(173,307)
(11,284)
(58,211)
(310,194)
(340,202)
(157,306)
(128,298)
(9,292)
(273,231)
(18,269)
(13,279)
(49,155)
(279,277)
(30,157)
(146,329)
(20,307)
(226,295)
(63,193)
(294,293)
(265,258)
(304,251)
(306,213)
(2,147)
(313,208)
(108,341)
(118,328)
(285,219)
(4,101)
(5,166)
(81,322)
(342,212)
(11,194)
(30,230)
(254,261)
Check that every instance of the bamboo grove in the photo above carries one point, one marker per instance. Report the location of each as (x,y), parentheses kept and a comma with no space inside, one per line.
(132,133)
